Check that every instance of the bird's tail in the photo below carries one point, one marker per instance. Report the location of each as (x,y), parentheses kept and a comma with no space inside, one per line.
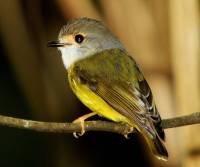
(157,147)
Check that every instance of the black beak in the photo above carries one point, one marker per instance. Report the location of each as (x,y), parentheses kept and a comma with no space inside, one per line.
(56,44)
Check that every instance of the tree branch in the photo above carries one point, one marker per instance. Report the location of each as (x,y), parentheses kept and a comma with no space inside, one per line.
(191,119)
(106,126)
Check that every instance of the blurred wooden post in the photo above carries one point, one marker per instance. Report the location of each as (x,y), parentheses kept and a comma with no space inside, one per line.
(75,9)
(136,24)
(185,44)
(22,54)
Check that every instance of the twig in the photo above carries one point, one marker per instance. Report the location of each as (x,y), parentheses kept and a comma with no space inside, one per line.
(191,119)
(106,126)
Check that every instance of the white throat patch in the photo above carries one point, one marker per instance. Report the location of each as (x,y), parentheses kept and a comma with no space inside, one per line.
(70,55)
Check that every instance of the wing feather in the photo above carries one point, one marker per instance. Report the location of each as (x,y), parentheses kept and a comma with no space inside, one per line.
(127,104)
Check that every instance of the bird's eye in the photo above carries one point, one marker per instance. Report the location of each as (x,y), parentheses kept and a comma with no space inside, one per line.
(79,38)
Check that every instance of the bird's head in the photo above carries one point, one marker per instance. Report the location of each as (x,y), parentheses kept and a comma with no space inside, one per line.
(83,37)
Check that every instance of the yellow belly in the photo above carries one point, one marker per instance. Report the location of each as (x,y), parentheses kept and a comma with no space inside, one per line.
(94,102)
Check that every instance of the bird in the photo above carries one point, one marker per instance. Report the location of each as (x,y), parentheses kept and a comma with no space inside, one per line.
(107,79)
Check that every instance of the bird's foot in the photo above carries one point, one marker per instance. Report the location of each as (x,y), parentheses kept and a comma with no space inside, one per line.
(81,120)
(128,131)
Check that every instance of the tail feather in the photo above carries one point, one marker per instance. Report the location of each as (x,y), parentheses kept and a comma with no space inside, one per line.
(157,147)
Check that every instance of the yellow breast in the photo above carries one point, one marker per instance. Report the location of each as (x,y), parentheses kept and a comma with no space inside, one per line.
(92,100)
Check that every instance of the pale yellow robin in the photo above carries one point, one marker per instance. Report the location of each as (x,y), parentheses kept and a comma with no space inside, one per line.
(104,76)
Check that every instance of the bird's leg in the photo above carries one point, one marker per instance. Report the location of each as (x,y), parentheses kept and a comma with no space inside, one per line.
(81,121)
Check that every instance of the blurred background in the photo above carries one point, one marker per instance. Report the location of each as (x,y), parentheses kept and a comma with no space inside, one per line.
(164,38)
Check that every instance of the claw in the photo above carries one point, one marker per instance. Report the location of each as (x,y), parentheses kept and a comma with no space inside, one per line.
(78,134)
(126,136)
(130,130)
(81,121)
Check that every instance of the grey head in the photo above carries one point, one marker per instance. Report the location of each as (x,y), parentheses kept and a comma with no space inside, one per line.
(83,37)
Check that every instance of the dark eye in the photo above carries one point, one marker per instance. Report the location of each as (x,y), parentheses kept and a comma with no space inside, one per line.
(79,38)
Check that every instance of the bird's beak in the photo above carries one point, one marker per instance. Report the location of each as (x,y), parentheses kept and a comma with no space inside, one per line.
(57,44)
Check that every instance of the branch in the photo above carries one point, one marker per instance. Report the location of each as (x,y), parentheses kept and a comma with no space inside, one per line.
(105,126)
(190,119)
